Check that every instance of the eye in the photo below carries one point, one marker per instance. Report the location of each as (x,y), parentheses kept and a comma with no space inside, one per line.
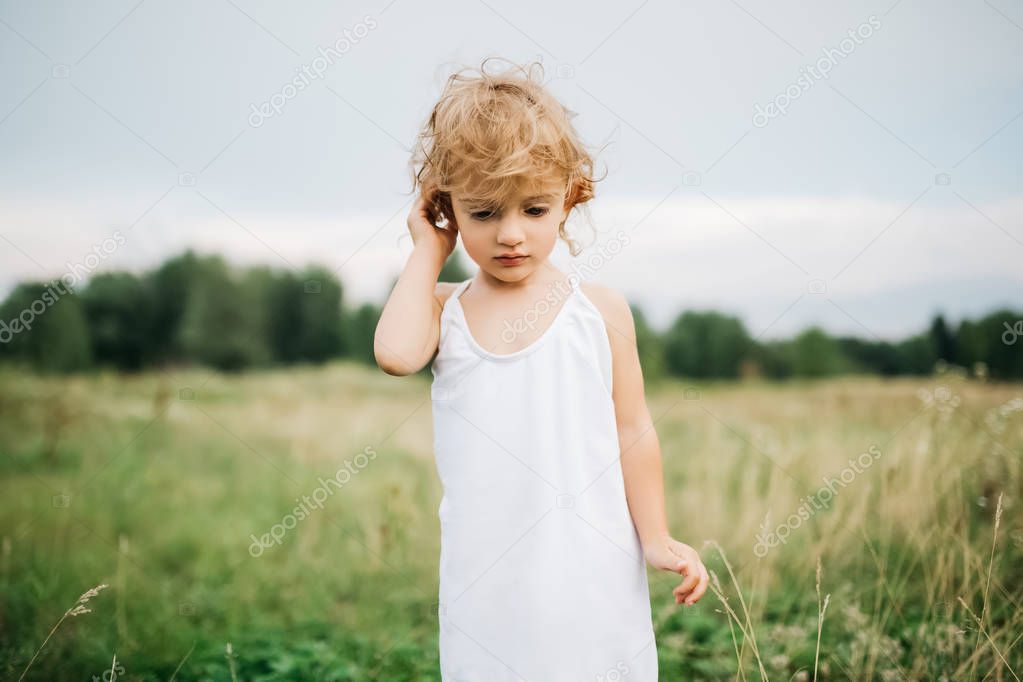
(539,211)
(481,215)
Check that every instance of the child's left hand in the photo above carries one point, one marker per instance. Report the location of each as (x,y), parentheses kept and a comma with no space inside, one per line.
(669,554)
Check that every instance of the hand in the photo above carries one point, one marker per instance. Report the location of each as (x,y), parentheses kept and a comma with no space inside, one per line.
(425,233)
(668,554)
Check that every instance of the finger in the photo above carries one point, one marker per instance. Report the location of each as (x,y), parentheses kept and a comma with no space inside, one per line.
(420,209)
(687,585)
(700,588)
(688,565)
(692,577)
(428,211)
(681,594)
(451,235)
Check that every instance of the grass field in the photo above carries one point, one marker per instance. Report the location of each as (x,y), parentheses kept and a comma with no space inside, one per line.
(155,485)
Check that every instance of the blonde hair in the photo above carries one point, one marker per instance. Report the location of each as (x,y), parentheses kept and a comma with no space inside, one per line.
(490,133)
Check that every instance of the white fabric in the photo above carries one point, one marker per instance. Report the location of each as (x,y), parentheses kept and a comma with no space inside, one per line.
(542,576)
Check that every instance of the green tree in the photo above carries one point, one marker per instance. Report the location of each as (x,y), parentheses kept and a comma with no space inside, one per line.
(118,309)
(304,315)
(774,358)
(970,345)
(917,354)
(222,324)
(322,326)
(650,347)
(170,288)
(43,326)
(943,339)
(361,325)
(284,317)
(815,354)
(706,344)
(879,357)
(1002,340)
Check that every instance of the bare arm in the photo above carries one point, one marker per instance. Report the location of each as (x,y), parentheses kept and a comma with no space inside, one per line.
(641,453)
(637,438)
(407,333)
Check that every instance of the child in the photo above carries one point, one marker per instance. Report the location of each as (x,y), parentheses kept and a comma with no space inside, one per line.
(551,468)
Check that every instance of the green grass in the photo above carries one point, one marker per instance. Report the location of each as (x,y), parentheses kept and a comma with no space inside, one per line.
(166,486)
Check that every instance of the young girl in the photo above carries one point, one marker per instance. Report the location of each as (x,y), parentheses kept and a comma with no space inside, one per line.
(551,468)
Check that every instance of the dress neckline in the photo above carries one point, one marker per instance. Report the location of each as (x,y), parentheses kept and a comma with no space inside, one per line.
(456,295)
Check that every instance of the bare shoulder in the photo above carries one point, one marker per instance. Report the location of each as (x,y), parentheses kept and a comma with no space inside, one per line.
(614,307)
(443,290)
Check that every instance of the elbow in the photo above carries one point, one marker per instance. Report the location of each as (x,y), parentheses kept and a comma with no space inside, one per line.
(388,361)
(395,358)
(392,363)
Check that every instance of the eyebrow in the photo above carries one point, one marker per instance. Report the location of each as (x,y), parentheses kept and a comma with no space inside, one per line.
(534,197)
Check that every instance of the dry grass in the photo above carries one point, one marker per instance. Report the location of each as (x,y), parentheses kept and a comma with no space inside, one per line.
(919,558)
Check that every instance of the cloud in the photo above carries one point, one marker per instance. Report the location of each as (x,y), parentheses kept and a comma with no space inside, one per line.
(754,257)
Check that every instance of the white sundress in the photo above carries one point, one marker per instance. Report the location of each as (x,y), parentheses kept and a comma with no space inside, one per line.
(542,576)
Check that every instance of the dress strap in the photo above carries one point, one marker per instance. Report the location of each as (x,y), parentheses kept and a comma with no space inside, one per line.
(450,317)
(460,288)
(456,292)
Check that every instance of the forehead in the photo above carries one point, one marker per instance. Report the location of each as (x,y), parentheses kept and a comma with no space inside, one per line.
(549,192)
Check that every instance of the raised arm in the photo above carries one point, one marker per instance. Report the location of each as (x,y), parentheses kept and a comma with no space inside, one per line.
(641,452)
(409,327)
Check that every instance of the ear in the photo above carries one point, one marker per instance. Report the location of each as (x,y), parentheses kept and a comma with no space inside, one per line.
(449,208)
(442,200)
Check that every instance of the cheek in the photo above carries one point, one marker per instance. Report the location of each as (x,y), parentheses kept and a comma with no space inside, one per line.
(545,233)
(474,241)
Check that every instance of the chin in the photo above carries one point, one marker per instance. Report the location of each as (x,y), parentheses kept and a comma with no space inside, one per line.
(509,274)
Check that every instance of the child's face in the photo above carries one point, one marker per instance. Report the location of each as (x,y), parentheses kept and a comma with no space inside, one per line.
(526,224)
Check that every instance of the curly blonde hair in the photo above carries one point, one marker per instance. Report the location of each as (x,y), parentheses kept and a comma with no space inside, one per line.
(490,133)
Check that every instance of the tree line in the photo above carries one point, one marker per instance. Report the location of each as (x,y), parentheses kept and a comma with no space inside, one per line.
(197,309)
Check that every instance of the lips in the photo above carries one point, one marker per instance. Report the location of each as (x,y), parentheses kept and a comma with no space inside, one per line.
(511,259)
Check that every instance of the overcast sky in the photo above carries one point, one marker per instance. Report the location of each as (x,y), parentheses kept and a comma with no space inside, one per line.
(888,190)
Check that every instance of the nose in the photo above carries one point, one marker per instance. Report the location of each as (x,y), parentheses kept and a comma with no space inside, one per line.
(509,232)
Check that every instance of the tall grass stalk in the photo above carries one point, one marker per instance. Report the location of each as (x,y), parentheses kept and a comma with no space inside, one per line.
(78,609)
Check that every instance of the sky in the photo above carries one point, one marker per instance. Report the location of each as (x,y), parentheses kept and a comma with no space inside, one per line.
(854,165)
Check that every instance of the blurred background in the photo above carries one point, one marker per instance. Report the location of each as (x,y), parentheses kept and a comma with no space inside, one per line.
(816,213)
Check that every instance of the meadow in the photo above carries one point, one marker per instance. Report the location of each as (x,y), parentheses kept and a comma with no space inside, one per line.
(180,491)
